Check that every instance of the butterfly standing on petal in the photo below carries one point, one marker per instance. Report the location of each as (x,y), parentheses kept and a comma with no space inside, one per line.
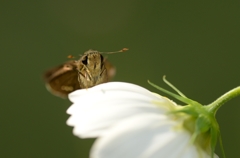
(90,70)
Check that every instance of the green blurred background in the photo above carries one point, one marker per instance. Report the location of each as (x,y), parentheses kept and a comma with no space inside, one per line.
(196,44)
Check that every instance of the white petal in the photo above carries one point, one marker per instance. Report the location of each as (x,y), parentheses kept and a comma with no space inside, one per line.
(96,109)
(146,136)
(121,86)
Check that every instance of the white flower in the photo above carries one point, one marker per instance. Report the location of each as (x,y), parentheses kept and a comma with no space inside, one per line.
(131,122)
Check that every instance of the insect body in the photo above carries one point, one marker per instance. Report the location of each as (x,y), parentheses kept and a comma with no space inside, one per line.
(90,70)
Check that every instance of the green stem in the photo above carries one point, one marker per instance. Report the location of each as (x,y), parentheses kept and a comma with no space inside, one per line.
(214,106)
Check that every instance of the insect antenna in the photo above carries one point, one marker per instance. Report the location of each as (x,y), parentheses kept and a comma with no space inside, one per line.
(120,51)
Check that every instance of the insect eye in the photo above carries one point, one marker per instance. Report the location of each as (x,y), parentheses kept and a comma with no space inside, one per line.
(84,60)
(101,59)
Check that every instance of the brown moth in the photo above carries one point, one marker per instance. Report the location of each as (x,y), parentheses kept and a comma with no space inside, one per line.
(90,70)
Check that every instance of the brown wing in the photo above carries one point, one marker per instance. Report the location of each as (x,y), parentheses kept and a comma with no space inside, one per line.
(111,70)
(63,79)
